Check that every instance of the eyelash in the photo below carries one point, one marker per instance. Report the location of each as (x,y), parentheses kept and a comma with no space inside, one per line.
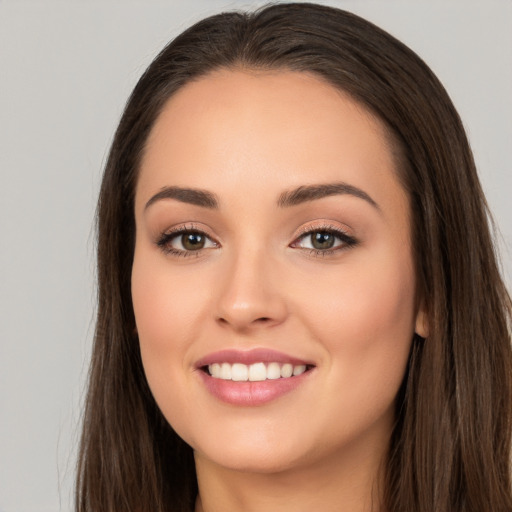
(165,239)
(347,241)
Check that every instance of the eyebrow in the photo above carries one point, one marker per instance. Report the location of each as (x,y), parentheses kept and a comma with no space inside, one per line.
(193,196)
(311,192)
(290,198)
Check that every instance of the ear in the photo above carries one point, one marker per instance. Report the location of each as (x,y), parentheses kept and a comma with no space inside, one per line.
(421,326)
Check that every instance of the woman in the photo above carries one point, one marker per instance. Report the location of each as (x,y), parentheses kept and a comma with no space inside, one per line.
(299,304)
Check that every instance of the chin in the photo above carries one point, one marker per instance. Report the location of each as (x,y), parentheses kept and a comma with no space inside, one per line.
(250,459)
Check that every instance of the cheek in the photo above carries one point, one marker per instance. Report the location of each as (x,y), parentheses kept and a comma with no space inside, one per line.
(167,313)
(364,319)
(166,304)
(373,299)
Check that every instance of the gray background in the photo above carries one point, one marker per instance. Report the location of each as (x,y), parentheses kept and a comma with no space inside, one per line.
(66,69)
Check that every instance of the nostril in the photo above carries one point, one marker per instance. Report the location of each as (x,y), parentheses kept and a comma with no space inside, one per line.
(242,324)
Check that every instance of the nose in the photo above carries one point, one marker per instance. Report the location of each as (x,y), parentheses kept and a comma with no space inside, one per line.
(250,294)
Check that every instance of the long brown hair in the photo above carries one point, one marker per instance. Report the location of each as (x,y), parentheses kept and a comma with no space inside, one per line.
(450,448)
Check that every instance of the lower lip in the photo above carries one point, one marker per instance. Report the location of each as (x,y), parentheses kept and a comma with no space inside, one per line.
(249,394)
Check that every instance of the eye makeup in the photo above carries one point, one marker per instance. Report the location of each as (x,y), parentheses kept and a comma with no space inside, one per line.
(320,240)
(324,240)
(185,240)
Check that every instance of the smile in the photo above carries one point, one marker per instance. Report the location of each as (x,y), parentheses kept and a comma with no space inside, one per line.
(252,377)
(256,372)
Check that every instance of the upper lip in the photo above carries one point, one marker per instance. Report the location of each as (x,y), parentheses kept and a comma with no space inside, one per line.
(257,355)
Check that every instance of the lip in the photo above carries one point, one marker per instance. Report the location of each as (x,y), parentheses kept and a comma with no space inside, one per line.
(257,355)
(251,394)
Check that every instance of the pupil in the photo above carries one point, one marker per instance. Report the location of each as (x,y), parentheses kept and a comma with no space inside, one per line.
(322,240)
(192,241)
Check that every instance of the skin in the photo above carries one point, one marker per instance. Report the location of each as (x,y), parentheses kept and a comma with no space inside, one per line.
(248,137)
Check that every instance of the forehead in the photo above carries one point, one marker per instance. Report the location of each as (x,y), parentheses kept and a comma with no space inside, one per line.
(252,98)
(261,129)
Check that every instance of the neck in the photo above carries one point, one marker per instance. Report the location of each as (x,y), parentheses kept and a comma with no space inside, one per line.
(336,485)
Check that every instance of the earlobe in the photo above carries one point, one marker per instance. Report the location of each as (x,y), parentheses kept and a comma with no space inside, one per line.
(421,327)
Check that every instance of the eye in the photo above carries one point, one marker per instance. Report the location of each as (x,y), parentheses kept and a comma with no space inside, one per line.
(184,242)
(192,241)
(324,241)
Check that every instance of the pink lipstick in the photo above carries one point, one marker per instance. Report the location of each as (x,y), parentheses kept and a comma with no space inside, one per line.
(253,377)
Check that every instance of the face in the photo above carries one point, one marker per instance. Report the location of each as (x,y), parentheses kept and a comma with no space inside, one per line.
(273,283)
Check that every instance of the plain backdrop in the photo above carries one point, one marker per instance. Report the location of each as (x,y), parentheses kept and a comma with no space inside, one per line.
(66,69)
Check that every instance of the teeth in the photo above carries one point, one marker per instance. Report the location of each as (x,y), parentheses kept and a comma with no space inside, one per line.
(225,372)
(273,371)
(297,370)
(286,370)
(255,372)
(215,370)
(239,372)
